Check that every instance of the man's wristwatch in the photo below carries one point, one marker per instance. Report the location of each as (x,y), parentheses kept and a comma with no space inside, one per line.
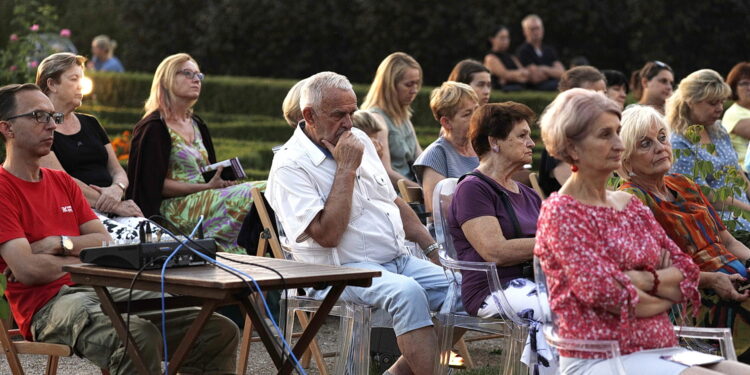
(432,248)
(67,245)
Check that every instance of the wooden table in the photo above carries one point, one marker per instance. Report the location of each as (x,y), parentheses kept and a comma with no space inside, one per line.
(211,287)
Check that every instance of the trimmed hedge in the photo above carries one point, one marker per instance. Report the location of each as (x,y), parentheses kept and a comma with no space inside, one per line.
(263,96)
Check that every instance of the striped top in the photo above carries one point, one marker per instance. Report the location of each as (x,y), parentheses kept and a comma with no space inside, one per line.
(444,159)
(690,221)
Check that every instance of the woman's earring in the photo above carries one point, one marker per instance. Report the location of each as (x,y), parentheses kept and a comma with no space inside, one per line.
(573,168)
(495,148)
(631,174)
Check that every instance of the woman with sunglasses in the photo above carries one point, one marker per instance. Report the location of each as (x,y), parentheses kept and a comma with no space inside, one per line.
(82,148)
(652,85)
(169,146)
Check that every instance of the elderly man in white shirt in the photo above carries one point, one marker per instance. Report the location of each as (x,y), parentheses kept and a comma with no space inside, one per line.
(330,190)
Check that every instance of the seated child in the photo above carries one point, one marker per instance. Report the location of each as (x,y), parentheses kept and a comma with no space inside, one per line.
(364,121)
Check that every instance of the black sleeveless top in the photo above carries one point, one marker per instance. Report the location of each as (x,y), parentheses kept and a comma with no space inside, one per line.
(509,64)
(505,58)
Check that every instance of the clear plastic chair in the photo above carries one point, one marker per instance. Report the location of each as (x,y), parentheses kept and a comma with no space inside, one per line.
(611,348)
(356,319)
(510,325)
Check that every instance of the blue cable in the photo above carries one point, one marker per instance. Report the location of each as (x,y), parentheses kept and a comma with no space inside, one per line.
(265,305)
(163,305)
(217,263)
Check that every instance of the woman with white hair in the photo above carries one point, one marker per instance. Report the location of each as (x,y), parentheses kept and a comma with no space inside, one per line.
(689,219)
(612,272)
(699,100)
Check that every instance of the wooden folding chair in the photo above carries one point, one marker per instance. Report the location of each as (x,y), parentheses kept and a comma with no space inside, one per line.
(409,193)
(13,348)
(269,239)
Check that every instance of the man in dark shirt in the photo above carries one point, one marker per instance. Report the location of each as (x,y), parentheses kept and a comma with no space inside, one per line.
(544,66)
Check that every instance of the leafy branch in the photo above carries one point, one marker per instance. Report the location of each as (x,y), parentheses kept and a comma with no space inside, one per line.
(734,181)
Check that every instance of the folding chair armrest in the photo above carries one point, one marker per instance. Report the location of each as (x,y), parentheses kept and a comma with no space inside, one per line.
(40,348)
(723,335)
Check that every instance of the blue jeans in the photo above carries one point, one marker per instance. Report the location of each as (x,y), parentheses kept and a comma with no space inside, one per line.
(408,289)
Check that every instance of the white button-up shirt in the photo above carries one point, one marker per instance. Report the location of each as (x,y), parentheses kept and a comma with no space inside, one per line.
(298,186)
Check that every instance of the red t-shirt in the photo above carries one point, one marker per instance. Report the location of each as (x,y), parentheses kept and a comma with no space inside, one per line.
(34,210)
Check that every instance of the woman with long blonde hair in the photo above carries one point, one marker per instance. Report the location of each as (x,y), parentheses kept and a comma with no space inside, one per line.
(396,84)
(170,145)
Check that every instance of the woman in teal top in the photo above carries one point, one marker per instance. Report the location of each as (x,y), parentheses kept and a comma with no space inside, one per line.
(396,84)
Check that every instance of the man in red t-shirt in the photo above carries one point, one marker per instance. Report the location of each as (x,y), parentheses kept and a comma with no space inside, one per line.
(46,221)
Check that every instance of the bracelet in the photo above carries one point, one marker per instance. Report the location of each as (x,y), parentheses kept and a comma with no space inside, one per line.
(432,248)
(656,279)
(121,185)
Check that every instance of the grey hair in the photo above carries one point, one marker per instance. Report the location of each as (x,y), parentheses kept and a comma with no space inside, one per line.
(312,91)
(636,122)
(568,118)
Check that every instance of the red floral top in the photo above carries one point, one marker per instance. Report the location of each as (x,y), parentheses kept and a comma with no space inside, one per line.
(584,251)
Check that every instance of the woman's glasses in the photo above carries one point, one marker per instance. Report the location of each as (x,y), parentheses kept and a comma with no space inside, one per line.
(189,74)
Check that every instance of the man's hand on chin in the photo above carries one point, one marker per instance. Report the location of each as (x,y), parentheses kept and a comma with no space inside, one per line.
(348,150)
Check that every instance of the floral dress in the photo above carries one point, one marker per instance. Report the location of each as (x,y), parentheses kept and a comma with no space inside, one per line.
(723,157)
(223,209)
(584,251)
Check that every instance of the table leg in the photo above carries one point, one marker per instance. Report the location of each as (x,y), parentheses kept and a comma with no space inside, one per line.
(188,340)
(312,329)
(265,333)
(109,308)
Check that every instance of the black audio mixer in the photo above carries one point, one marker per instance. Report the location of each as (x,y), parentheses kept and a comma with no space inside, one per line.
(149,255)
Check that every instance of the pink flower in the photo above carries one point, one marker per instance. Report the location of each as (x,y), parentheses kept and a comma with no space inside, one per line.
(65,33)
(13,37)
(33,64)
(13,68)
(34,27)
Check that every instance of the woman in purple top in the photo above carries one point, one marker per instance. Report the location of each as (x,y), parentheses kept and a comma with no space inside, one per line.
(493,218)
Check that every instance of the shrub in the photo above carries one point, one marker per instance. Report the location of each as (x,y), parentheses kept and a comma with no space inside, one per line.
(261,96)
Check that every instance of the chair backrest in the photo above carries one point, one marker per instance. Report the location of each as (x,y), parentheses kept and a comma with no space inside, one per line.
(441,207)
(534,179)
(414,196)
(410,194)
(610,348)
(269,237)
(441,203)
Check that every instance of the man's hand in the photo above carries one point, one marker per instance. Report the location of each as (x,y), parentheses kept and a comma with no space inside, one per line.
(128,208)
(347,152)
(48,245)
(109,197)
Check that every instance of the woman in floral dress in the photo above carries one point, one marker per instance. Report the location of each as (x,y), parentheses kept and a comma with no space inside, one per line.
(612,271)
(169,146)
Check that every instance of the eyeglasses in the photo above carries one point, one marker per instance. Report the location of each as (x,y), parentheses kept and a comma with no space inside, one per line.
(743,83)
(41,117)
(189,74)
